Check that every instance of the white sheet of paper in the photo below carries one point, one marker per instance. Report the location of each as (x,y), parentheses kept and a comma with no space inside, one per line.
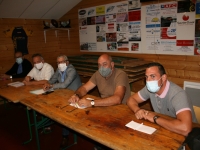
(77,106)
(37,92)
(16,84)
(140,127)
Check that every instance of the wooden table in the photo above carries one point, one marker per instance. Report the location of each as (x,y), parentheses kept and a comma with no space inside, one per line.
(16,94)
(105,125)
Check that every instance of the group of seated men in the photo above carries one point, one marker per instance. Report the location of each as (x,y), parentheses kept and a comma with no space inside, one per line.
(166,97)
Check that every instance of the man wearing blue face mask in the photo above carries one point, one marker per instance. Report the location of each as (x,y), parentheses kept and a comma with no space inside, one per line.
(20,69)
(166,98)
(64,77)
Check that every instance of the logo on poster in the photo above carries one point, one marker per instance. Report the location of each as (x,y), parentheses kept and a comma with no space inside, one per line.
(185,17)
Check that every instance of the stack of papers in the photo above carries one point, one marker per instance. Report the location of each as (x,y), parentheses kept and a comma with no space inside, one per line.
(140,127)
(16,84)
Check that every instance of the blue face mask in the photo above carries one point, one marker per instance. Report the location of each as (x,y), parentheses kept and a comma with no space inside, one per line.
(104,71)
(19,60)
(152,86)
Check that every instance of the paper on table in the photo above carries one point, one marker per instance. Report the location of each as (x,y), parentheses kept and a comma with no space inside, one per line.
(140,127)
(37,92)
(16,84)
(41,91)
(80,107)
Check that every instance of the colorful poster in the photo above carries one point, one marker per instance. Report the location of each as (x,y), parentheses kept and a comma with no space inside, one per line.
(100,19)
(122,46)
(91,12)
(122,36)
(134,15)
(168,20)
(122,17)
(111,37)
(186,6)
(100,10)
(186,23)
(82,30)
(90,20)
(122,27)
(84,46)
(101,32)
(111,27)
(92,46)
(111,46)
(111,8)
(134,46)
(122,6)
(198,10)
(197,46)
(197,28)
(83,22)
(110,18)
(82,13)
(134,4)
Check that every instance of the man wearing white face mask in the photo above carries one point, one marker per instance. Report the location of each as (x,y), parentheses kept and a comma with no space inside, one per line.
(40,73)
(20,69)
(64,77)
(166,98)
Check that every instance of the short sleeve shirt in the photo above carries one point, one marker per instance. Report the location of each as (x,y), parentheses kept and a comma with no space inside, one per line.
(172,101)
(44,74)
(108,86)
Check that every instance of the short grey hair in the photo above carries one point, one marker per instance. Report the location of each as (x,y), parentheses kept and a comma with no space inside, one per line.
(63,56)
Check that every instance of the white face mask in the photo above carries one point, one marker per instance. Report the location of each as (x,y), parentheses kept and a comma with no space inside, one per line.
(39,66)
(152,86)
(62,67)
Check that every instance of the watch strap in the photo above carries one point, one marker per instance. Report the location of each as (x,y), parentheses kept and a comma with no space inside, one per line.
(155,118)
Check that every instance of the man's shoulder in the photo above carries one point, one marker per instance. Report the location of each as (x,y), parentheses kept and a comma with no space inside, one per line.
(46,65)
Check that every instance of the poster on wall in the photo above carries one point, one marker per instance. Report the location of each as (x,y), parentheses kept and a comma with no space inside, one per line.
(100,10)
(134,4)
(122,7)
(110,18)
(153,27)
(111,8)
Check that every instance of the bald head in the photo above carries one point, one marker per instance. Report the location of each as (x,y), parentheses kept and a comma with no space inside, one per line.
(105,61)
(105,57)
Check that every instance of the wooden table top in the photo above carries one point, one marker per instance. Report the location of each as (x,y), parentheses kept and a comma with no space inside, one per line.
(103,124)
(15,94)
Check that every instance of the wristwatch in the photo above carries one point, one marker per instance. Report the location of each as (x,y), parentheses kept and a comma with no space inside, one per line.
(92,103)
(10,77)
(155,118)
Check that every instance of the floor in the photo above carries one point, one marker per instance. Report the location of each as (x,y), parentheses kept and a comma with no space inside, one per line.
(14,131)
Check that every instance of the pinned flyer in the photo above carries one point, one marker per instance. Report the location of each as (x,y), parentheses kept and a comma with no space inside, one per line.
(140,127)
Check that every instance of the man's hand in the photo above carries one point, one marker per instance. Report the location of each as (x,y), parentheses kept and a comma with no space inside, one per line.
(84,103)
(26,83)
(47,86)
(73,99)
(4,76)
(27,79)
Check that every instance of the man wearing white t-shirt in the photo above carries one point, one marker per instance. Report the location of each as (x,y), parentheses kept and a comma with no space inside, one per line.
(40,73)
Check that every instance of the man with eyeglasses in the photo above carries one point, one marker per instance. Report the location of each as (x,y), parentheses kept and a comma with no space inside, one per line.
(64,77)
(166,98)
(40,73)
(20,68)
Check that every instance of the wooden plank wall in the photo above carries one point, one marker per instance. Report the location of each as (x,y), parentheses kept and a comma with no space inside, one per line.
(36,43)
(179,68)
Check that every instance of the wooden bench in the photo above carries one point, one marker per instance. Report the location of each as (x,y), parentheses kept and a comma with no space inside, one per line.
(86,65)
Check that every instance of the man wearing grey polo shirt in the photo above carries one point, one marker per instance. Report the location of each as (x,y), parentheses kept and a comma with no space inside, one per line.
(166,98)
